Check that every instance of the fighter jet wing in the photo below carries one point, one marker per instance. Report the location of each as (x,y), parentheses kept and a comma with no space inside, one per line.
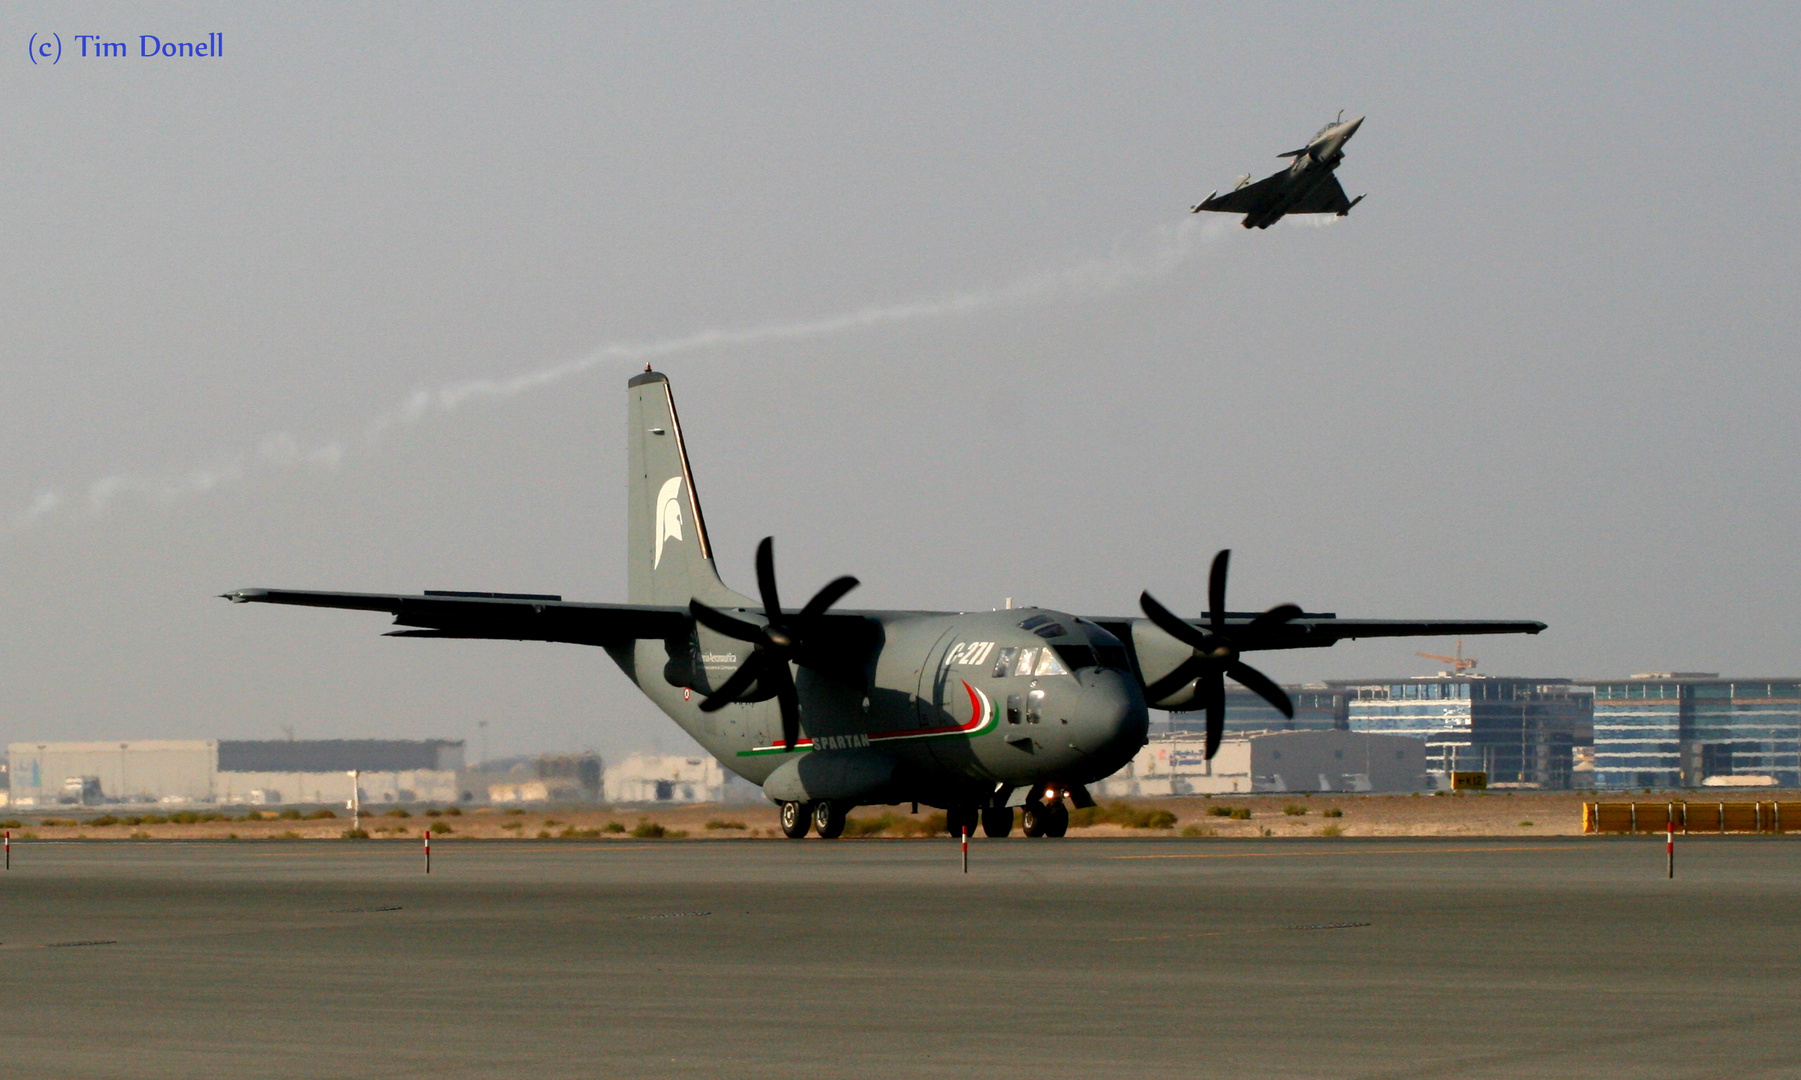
(499,616)
(1247,198)
(1327,197)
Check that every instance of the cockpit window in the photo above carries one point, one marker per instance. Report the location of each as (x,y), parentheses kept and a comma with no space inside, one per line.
(1048,664)
(1003,665)
(1050,630)
(1036,620)
(1023,663)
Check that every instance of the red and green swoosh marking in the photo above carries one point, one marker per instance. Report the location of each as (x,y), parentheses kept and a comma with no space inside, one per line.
(984,715)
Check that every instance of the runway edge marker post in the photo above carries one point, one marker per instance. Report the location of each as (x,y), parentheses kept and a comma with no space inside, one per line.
(966,849)
(1669,841)
(427,834)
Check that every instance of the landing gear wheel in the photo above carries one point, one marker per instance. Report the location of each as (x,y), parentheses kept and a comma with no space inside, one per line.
(796,819)
(959,819)
(1031,820)
(1056,819)
(828,818)
(997,821)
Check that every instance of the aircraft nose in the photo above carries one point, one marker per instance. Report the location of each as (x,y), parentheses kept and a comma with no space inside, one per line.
(1113,719)
(1350,129)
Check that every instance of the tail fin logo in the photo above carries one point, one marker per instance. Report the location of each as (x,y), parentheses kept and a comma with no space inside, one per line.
(669,516)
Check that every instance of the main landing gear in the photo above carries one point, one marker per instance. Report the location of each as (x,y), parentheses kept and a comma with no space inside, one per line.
(825,817)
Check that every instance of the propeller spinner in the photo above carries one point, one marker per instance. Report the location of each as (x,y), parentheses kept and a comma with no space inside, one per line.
(780,640)
(1216,652)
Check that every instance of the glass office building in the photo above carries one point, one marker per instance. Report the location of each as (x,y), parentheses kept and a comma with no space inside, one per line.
(1521,732)
(1687,730)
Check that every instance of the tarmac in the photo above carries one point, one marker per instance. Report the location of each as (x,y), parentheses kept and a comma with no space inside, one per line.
(1076,958)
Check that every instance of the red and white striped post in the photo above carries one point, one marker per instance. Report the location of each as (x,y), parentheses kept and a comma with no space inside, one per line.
(966,849)
(427,834)
(9,849)
(1669,845)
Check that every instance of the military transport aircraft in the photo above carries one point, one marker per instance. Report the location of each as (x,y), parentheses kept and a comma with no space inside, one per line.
(976,712)
(1308,186)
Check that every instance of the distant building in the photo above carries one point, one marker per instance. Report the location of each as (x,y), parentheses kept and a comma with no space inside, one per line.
(650,778)
(233,771)
(1521,732)
(1317,707)
(1695,729)
(1271,762)
(559,778)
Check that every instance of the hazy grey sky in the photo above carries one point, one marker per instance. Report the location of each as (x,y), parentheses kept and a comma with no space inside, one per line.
(934,312)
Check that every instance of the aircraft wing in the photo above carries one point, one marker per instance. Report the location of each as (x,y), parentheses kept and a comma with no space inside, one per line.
(1247,198)
(498,616)
(1318,631)
(1327,197)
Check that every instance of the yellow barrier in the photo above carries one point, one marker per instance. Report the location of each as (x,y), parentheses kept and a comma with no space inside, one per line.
(1692,818)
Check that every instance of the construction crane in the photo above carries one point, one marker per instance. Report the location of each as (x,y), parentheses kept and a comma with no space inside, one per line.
(1459,663)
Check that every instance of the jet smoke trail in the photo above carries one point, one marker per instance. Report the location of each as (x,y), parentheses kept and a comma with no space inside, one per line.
(1163,250)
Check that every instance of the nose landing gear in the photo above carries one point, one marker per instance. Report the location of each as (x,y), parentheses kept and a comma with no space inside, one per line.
(1045,819)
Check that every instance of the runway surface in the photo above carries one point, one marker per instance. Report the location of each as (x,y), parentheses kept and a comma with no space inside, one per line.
(1165,957)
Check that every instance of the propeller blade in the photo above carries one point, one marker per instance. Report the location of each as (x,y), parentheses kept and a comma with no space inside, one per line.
(790,703)
(740,680)
(1262,685)
(1216,589)
(1183,674)
(772,601)
(826,597)
(1213,692)
(720,622)
(1274,617)
(1168,622)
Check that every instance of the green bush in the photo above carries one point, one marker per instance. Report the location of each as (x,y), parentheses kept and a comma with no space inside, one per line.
(1295,810)
(321,814)
(1199,830)
(1525,824)
(1242,813)
(1125,814)
(721,823)
(549,821)
(453,811)
(434,812)
(290,814)
(290,835)
(140,836)
(131,819)
(648,830)
(398,811)
(1331,811)
(1332,830)
(104,819)
(614,827)
(544,834)
(1219,811)
(441,828)
(12,823)
(512,811)
(356,834)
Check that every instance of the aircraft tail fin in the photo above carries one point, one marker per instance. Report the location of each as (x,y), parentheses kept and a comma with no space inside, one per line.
(671,557)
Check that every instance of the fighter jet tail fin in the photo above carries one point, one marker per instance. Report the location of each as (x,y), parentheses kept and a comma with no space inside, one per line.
(671,557)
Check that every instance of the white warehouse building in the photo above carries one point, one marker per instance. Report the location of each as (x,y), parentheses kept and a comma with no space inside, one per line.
(262,772)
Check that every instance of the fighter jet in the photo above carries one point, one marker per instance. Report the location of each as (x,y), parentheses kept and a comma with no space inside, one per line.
(978,712)
(1307,186)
